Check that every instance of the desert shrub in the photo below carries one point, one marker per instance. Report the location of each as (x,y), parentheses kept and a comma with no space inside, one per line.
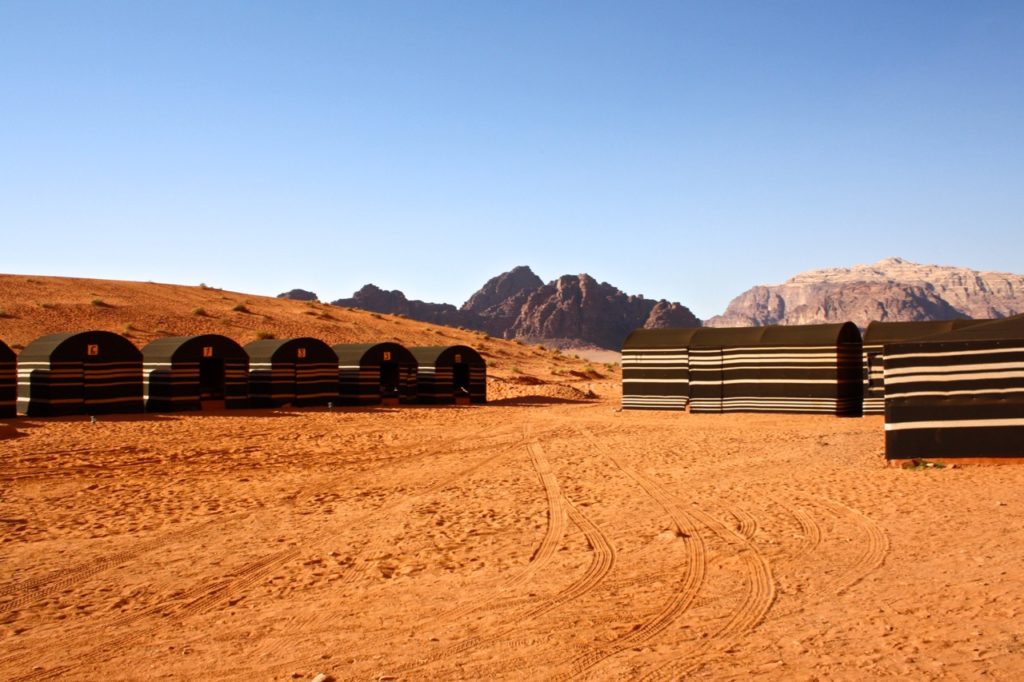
(376,315)
(324,315)
(515,368)
(262,335)
(4,315)
(518,342)
(99,303)
(47,306)
(128,329)
(240,308)
(200,312)
(541,347)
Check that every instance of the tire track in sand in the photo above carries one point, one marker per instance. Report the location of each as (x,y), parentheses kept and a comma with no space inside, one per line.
(872,554)
(602,561)
(681,599)
(757,601)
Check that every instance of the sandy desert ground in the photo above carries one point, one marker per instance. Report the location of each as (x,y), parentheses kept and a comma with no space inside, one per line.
(535,538)
(545,536)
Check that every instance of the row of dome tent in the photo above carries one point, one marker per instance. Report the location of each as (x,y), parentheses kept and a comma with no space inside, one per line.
(99,372)
(950,389)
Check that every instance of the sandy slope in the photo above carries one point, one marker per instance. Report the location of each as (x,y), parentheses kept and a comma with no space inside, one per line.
(539,537)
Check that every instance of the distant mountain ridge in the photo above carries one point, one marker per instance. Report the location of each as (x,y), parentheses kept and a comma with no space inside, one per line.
(573,310)
(893,289)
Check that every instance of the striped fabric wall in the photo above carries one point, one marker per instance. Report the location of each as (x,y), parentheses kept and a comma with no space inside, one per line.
(655,378)
(954,399)
(272,384)
(316,383)
(174,387)
(435,384)
(822,379)
(361,384)
(8,382)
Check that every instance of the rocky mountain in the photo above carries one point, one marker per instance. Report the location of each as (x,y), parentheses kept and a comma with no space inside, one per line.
(892,289)
(299,295)
(573,310)
(578,307)
(373,298)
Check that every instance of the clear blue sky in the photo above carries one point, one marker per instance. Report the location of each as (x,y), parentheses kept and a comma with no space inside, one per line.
(680,150)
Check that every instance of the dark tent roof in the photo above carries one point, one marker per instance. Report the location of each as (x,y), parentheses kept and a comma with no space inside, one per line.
(659,338)
(6,354)
(285,350)
(173,348)
(432,355)
(353,353)
(889,332)
(777,335)
(71,346)
(1008,329)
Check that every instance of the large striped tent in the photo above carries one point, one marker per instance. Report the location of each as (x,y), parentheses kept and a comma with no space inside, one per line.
(800,368)
(655,369)
(450,374)
(93,372)
(301,371)
(959,394)
(375,373)
(208,371)
(880,333)
(8,382)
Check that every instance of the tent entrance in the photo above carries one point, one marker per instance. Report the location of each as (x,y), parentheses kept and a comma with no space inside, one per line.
(390,381)
(211,381)
(460,379)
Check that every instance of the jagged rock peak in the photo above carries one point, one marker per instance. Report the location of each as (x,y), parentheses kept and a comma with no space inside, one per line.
(498,290)
(299,295)
(577,306)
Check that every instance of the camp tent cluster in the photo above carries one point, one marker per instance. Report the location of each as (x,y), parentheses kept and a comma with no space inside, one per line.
(950,389)
(99,372)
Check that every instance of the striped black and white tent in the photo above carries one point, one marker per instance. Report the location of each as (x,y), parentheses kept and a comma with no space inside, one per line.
(375,373)
(800,368)
(655,369)
(208,371)
(958,394)
(93,372)
(8,382)
(450,374)
(301,371)
(880,333)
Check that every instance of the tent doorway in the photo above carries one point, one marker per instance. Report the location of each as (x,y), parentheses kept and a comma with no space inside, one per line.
(390,380)
(211,382)
(460,382)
